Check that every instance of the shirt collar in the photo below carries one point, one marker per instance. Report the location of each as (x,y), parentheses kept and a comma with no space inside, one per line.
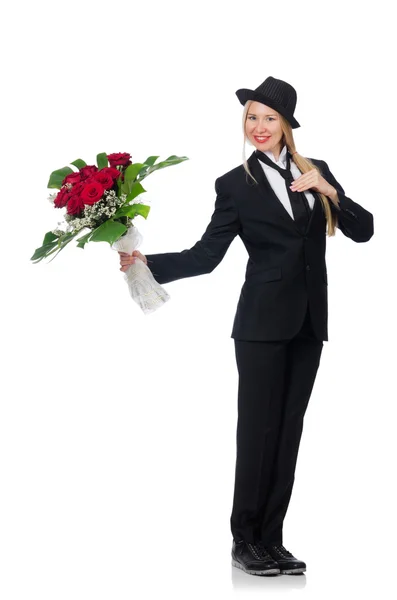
(282,159)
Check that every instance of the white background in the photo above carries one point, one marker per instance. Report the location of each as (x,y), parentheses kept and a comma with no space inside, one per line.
(117,430)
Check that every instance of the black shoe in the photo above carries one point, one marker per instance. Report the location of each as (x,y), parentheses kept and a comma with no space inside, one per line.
(253,559)
(286,561)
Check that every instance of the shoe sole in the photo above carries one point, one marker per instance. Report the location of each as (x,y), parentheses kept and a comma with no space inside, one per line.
(292,571)
(274,571)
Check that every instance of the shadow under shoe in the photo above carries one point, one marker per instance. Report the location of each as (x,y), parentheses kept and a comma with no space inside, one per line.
(287,562)
(253,559)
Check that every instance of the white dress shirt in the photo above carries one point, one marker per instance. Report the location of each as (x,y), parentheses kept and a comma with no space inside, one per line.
(277,181)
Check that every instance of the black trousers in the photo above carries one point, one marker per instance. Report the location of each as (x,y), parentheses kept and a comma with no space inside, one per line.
(275,383)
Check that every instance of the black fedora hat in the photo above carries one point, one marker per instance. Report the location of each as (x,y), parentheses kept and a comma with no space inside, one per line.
(275,93)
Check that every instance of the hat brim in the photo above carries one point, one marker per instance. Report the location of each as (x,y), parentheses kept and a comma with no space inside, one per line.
(245,94)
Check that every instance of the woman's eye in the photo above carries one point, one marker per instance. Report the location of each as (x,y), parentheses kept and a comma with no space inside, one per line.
(271,118)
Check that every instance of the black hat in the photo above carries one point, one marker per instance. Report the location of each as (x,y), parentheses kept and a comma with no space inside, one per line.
(276,93)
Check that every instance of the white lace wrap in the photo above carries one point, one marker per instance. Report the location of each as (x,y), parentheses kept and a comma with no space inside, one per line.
(143,287)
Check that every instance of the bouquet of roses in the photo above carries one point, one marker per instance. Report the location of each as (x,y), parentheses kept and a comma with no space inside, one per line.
(104,199)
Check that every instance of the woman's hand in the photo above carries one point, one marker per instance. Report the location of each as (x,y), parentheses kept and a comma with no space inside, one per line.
(313,180)
(128,259)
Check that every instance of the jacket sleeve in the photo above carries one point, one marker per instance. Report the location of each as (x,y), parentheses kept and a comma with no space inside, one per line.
(207,253)
(354,221)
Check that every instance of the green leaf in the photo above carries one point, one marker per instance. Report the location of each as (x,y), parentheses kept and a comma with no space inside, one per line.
(141,209)
(126,187)
(171,160)
(110,231)
(79,163)
(151,160)
(102,160)
(63,241)
(132,171)
(136,189)
(83,240)
(131,211)
(58,176)
(124,211)
(119,186)
(53,246)
(143,171)
(43,251)
(49,237)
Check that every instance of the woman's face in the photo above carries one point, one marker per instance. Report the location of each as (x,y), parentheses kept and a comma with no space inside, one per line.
(263,122)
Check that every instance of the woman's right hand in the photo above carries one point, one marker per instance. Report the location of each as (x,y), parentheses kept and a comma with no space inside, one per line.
(128,259)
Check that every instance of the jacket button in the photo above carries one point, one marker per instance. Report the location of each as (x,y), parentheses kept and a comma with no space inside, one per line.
(307,267)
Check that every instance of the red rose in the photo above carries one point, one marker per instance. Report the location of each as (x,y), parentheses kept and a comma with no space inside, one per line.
(113,172)
(77,189)
(75,205)
(92,192)
(87,171)
(119,158)
(105,179)
(72,178)
(61,198)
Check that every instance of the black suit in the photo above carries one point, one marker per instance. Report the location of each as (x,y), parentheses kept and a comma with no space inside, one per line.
(278,331)
(286,269)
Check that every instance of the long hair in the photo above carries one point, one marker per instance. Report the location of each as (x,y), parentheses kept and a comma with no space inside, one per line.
(304,165)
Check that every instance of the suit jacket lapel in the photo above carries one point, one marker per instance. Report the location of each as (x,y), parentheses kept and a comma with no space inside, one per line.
(274,203)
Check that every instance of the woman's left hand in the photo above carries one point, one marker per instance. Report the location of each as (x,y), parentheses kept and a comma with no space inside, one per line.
(313,180)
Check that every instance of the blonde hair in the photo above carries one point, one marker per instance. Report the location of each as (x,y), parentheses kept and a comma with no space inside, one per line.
(304,165)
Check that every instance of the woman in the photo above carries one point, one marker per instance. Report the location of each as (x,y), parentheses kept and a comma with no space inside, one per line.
(282,205)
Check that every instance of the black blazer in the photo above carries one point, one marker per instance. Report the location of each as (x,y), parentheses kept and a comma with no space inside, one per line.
(286,268)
